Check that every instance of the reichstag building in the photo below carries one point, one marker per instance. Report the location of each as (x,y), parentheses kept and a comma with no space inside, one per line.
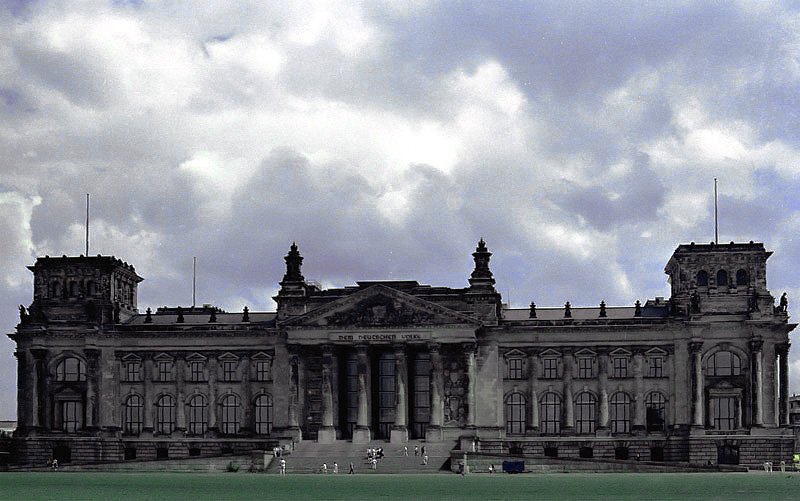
(699,376)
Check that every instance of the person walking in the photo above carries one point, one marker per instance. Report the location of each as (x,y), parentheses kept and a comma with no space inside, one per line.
(424,459)
(405,450)
(283,467)
(416,450)
(335,467)
(352,469)
(324,469)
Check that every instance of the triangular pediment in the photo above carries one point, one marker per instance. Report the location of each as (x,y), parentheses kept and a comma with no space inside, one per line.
(380,306)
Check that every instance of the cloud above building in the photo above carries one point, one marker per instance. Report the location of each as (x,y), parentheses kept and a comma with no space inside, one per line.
(386,138)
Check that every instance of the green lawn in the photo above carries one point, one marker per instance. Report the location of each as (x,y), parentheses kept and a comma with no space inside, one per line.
(640,486)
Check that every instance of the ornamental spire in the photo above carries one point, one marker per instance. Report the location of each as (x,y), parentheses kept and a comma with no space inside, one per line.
(481,277)
(293,263)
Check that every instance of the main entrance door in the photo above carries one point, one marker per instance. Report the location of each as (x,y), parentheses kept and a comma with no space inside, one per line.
(387,396)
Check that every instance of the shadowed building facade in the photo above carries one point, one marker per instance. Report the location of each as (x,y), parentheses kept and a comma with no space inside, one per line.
(702,375)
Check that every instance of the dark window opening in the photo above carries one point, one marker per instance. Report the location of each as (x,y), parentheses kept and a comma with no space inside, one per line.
(514,368)
(551,452)
(194,451)
(586,452)
(62,453)
(702,278)
(130,453)
(162,453)
(722,278)
(728,454)
(656,454)
(741,277)
(621,453)
(515,414)
(227,450)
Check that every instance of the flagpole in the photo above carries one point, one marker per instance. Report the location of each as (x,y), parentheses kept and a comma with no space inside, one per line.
(87,225)
(716,215)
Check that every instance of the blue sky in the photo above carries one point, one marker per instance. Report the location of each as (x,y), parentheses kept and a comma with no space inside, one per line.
(579,139)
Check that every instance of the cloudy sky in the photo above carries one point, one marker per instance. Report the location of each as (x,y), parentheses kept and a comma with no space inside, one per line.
(580,140)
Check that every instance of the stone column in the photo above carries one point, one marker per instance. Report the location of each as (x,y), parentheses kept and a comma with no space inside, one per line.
(533,374)
(399,432)
(213,427)
(602,377)
(90,413)
(362,433)
(25,399)
(42,407)
(783,399)
(469,359)
(294,384)
(695,348)
(147,424)
(569,399)
(327,433)
(434,430)
(247,395)
(639,410)
(180,394)
(757,363)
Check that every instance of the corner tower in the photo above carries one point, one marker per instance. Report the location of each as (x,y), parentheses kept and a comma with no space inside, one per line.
(82,289)
(721,279)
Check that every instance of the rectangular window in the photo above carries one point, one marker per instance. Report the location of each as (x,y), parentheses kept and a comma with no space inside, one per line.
(655,367)
(164,370)
(132,372)
(514,368)
(228,371)
(263,370)
(550,368)
(196,371)
(620,367)
(585,368)
(723,413)
(70,416)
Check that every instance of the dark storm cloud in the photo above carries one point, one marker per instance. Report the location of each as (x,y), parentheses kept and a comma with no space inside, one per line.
(579,139)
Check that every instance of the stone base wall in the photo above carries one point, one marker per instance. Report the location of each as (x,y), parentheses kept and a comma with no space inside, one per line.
(752,450)
(38,451)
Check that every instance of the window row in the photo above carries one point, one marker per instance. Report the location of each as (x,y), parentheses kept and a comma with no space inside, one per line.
(586,414)
(586,367)
(229,412)
(741,278)
(164,370)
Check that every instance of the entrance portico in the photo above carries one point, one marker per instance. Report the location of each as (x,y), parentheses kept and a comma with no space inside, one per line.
(382,364)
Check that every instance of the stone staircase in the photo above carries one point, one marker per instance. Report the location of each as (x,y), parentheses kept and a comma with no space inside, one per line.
(308,457)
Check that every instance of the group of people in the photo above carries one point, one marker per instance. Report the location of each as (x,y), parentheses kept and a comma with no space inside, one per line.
(417,452)
(324,468)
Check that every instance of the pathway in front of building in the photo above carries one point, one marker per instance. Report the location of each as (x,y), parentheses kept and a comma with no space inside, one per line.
(308,457)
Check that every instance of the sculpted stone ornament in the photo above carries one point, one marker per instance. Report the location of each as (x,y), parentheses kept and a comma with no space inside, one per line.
(24,317)
(532,314)
(637,311)
(148,316)
(455,391)
(783,306)
(246,314)
(380,312)
(567,310)
(603,309)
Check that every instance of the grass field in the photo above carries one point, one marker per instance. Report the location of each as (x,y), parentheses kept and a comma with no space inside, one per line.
(640,486)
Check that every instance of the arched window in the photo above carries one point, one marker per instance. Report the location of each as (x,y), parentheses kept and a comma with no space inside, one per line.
(73,289)
(585,413)
(165,414)
(55,289)
(91,288)
(133,415)
(702,278)
(198,412)
(620,407)
(515,413)
(656,408)
(722,278)
(723,363)
(230,414)
(71,369)
(741,278)
(550,414)
(263,408)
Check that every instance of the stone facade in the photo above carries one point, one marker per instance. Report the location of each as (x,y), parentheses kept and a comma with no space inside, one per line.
(700,376)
